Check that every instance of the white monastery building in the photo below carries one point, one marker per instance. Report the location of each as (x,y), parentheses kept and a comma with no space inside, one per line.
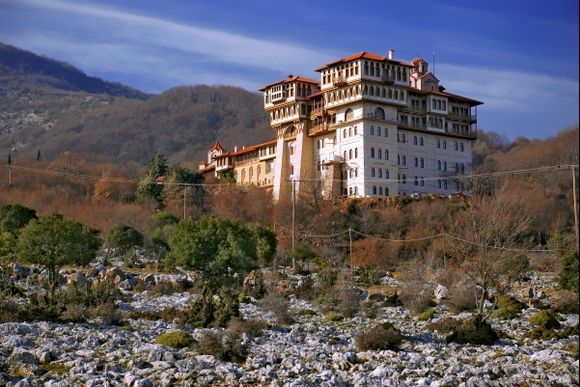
(371,126)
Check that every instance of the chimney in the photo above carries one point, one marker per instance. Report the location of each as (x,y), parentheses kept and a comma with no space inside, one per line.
(391,53)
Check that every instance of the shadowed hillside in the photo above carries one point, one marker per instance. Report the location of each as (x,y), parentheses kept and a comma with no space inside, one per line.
(180,122)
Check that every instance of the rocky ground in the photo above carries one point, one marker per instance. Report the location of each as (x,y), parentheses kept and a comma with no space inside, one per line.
(311,351)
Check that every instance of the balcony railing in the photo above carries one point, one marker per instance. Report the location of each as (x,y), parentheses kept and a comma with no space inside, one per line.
(338,81)
(388,78)
(463,117)
(380,117)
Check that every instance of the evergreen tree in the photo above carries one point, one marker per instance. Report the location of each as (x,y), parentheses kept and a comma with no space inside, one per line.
(150,189)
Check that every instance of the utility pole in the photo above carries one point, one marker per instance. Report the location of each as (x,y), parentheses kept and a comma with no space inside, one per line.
(575,206)
(184,201)
(349,245)
(293,221)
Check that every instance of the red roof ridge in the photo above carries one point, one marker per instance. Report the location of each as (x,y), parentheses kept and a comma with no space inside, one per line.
(291,78)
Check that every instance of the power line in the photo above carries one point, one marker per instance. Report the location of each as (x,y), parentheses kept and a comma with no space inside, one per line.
(449,177)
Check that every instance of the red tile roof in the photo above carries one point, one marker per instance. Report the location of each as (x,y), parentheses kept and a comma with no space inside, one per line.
(363,55)
(216,146)
(248,149)
(290,79)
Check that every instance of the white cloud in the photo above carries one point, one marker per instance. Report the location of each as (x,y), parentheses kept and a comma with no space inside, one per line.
(502,89)
(218,45)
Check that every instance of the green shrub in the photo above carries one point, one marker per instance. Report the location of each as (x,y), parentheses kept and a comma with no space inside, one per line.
(302,253)
(265,243)
(568,278)
(307,312)
(217,247)
(367,276)
(162,224)
(507,308)
(123,238)
(392,300)
(444,326)
(379,338)
(473,331)
(334,317)
(427,315)
(176,339)
(545,319)
(210,311)
(14,217)
(225,346)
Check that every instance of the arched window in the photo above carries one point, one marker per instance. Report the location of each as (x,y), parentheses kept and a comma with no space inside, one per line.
(372,130)
(355,153)
(404,179)
(390,94)
(379,153)
(372,172)
(344,133)
(416,181)
(438,144)
(461,148)
(439,183)
(372,153)
(356,191)
(386,132)
(404,160)
(356,172)
(386,173)
(444,144)
(380,172)
(348,115)
(386,154)
(444,184)
(422,183)
(344,155)
(462,168)
(374,189)
(421,141)
(350,191)
(380,190)
(415,142)
(350,154)
(355,131)
(379,113)
(386,191)
(398,159)
(438,165)
(455,146)
(456,167)
(378,131)
(403,139)
(415,162)
(445,166)
(349,131)
(422,162)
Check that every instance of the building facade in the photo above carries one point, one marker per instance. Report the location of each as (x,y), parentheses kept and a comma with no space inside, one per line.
(372,126)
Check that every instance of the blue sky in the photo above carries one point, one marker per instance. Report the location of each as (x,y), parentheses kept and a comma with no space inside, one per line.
(519,57)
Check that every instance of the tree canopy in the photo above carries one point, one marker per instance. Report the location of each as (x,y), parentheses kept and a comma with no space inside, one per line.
(219,247)
(54,241)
